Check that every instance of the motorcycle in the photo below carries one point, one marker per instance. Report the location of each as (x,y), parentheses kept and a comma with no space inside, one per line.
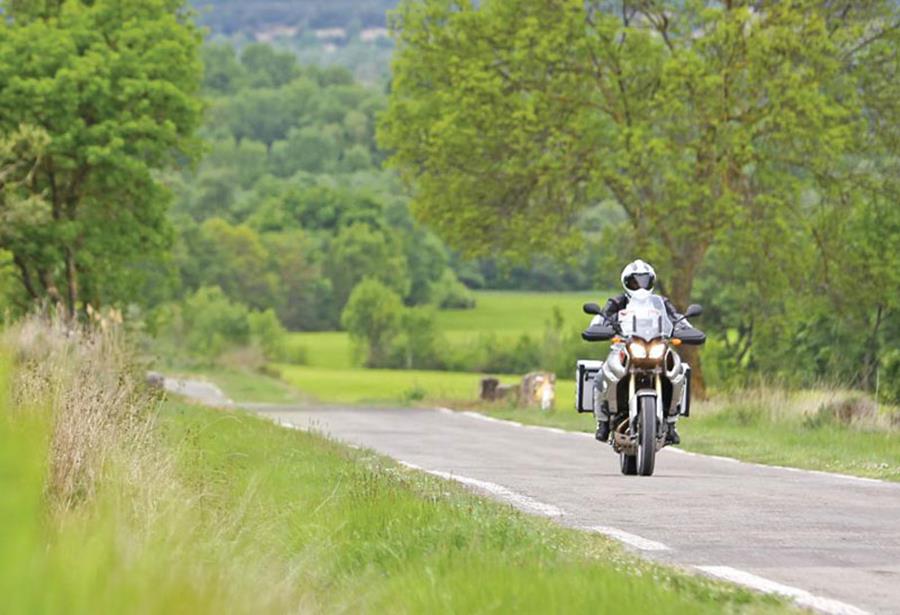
(643,384)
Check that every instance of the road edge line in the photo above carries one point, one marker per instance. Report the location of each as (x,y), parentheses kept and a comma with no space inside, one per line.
(521,501)
(680,451)
(800,596)
(632,540)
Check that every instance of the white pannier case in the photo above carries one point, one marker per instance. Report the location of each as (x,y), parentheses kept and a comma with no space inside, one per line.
(584,384)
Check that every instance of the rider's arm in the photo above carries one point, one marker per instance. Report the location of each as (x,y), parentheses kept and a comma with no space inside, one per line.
(674,314)
(614,305)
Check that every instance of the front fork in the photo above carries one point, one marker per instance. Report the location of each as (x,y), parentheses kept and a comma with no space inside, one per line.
(635,395)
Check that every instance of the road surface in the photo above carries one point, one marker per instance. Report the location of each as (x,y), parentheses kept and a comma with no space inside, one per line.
(830,542)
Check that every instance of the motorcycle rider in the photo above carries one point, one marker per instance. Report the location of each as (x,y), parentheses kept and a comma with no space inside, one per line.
(637,276)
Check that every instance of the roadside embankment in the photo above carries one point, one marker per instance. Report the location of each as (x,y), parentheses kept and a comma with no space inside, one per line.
(120,501)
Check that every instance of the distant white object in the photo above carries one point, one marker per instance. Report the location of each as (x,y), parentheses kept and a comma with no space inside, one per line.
(548,395)
(370,35)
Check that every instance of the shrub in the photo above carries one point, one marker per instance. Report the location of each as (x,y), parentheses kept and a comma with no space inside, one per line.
(889,378)
(372,318)
(209,325)
(448,293)
(416,347)
(214,323)
(267,332)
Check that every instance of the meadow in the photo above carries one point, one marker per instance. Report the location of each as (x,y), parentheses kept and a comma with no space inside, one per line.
(506,314)
(332,373)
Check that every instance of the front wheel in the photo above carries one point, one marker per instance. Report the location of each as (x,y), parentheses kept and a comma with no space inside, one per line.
(646,453)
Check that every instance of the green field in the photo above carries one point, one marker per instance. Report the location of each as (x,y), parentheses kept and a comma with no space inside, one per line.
(503,313)
(516,312)
(380,385)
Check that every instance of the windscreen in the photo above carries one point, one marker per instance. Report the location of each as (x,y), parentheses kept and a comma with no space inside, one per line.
(645,318)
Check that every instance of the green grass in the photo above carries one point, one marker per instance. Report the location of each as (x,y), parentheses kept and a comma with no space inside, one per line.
(382,385)
(226,512)
(361,535)
(516,312)
(749,430)
(503,313)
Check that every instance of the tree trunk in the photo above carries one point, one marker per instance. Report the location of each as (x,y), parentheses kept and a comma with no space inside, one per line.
(71,283)
(682,283)
(26,278)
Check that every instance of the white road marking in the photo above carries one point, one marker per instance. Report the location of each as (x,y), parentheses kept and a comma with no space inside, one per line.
(633,540)
(850,477)
(519,500)
(490,419)
(799,596)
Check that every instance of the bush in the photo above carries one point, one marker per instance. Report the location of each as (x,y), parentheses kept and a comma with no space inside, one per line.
(213,323)
(267,332)
(372,318)
(416,347)
(889,378)
(448,293)
(209,325)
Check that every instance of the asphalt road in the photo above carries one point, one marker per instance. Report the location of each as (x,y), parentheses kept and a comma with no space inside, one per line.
(830,542)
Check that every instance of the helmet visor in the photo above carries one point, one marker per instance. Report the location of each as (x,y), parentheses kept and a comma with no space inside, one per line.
(639,280)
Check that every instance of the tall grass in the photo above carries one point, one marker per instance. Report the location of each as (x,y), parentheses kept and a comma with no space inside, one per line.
(93,519)
(822,429)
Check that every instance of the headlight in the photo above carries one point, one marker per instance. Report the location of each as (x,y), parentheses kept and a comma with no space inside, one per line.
(657,350)
(637,350)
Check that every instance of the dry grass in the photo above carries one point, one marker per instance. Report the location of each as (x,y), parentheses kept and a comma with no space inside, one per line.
(811,407)
(97,405)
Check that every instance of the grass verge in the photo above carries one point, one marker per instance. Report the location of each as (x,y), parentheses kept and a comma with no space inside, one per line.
(798,430)
(191,510)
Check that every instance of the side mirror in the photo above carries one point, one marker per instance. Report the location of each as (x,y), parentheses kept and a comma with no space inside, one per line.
(693,310)
(592,308)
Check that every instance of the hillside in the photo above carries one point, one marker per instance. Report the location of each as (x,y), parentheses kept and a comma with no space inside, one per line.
(249,16)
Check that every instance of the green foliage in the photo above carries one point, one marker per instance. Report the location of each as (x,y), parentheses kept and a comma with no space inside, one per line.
(889,378)
(213,323)
(359,252)
(752,151)
(290,210)
(450,294)
(372,319)
(111,86)
(267,332)
(418,345)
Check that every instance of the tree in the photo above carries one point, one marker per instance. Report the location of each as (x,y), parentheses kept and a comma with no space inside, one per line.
(236,260)
(372,319)
(359,252)
(509,118)
(417,344)
(112,84)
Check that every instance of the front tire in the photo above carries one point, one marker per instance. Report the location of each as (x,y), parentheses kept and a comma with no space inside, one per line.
(646,453)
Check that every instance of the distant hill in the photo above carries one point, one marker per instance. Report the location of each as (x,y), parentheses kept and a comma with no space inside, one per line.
(254,17)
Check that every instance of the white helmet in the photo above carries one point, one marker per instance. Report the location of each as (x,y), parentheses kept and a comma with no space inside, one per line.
(638,276)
